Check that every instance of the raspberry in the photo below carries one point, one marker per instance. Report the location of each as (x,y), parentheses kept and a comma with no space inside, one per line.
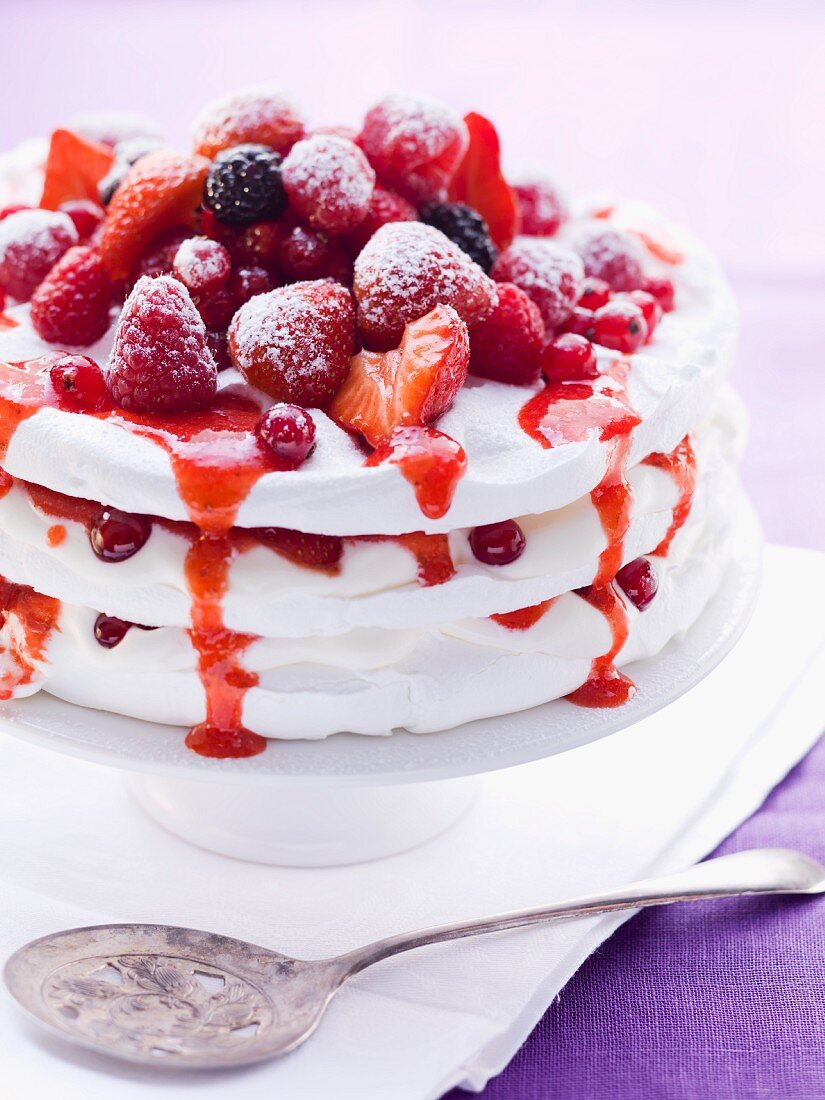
(85,214)
(329,182)
(613,256)
(288,431)
(71,305)
(246,282)
(638,582)
(651,310)
(414,146)
(295,343)
(259,115)
(620,325)
(160,361)
(552,276)
(662,290)
(506,344)
(116,536)
(305,254)
(79,383)
(385,206)
(244,185)
(202,265)
(479,182)
(31,243)
(542,208)
(595,294)
(497,543)
(464,227)
(407,269)
(569,358)
(162,191)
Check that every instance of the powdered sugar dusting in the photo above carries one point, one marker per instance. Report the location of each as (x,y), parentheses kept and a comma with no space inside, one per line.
(262,115)
(31,242)
(202,264)
(612,255)
(329,182)
(408,268)
(551,275)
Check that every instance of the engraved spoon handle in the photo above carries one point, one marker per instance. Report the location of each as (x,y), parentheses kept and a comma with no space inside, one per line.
(760,871)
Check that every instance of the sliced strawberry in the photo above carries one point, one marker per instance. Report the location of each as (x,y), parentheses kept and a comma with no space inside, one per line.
(313,551)
(161,190)
(74,167)
(412,384)
(479,182)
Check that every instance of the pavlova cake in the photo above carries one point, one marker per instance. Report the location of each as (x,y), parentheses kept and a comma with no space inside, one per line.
(310,429)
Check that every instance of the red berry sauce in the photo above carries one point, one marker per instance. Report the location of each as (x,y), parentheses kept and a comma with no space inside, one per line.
(430,461)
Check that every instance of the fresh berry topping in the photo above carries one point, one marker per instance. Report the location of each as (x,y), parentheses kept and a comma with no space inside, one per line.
(259,243)
(506,344)
(31,243)
(202,265)
(550,275)
(662,290)
(257,115)
(110,631)
(71,305)
(159,257)
(580,321)
(613,256)
(464,227)
(595,294)
(161,191)
(497,543)
(79,383)
(312,551)
(127,153)
(569,358)
(385,207)
(414,146)
(329,183)
(13,208)
(246,282)
(542,208)
(74,167)
(405,271)
(295,343)
(638,582)
(479,182)
(304,254)
(649,306)
(244,185)
(413,384)
(85,214)
(216,310)
(116,536)
(217,344)
(288,431)
(620,325)
(160,361)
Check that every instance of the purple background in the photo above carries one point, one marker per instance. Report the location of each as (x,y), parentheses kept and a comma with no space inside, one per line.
(715,112)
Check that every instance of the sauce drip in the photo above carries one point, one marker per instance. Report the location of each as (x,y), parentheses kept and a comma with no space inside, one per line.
(7,322)
(431,462)
(566,413)
(681,465)
(56,535)
(37,617)
(524,617)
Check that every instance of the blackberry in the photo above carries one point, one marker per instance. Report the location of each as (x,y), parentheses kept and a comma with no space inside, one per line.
(244,185)
(465,227)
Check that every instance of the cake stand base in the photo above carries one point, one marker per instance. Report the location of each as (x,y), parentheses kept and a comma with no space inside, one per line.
(303,826)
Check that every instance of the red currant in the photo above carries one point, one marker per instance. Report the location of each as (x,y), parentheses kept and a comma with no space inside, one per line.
(620,325)
(288,431)
(595,293)
(650,308)
(569,357)
(638,582)
(662,290)
(498,543)
(116,536)
(79,383)
(580,321)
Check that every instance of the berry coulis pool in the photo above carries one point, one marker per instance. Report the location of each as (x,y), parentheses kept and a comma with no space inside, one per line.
(311,429)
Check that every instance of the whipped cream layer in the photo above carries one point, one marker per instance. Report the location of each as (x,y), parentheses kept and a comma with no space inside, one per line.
(671,385)
(373,680)
(377,583)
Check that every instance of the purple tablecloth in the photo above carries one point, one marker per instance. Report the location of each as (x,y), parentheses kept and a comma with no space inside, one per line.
(722,1000)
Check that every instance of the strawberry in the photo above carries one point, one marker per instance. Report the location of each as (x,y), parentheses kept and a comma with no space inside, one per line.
(161,191)
(259,116)
(313,551)
(479,183)
(74,167)
(413,384)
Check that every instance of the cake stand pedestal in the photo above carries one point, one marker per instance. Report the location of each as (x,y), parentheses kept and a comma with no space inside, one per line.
(351,798)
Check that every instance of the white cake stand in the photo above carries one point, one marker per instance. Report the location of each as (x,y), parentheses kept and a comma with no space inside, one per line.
(351,798)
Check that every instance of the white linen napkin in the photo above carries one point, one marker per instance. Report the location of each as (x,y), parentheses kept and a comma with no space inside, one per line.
(75,850)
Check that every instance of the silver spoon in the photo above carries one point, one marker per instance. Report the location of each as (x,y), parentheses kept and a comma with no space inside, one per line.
(176,997)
